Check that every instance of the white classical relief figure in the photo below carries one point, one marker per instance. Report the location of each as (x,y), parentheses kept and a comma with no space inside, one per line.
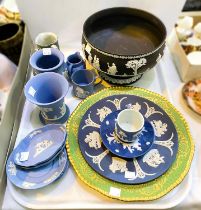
(112,69)
(93,139)
(118,164)
(153,158)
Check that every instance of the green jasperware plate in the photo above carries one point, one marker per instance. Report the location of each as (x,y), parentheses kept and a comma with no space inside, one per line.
(142,192)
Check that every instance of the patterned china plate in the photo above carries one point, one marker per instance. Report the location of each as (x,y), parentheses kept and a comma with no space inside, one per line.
(140,146)
(40,146)
(147,191)
(129,171)
(192,95)
(37,178)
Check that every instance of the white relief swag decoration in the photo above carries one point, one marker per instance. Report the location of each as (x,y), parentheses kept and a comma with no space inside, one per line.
(103,112)
(93,139)
(118,164)
(42,146)
(153,158)
(136,64)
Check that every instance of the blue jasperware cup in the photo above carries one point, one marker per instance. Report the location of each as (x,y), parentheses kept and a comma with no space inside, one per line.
(47,91)
(84,82)
(74,63)
(128,125)
(47,60)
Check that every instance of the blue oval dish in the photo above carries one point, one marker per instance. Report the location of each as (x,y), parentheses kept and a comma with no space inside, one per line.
(40,177)
(40,145)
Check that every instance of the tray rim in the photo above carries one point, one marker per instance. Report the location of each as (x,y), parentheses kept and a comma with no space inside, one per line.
(159,195)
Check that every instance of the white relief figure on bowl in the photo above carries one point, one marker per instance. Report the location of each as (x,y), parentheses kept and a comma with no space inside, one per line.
(158,58)
(93,140)
(136,64)
(159,127)
(118,164)
(112,69)
(103,112)
(96,63)
(153,158)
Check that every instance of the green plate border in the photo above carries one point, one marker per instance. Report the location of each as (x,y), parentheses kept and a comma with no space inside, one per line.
(142,192)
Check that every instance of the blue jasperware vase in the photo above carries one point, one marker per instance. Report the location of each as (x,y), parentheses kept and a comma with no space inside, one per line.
(47,91)
(47,60)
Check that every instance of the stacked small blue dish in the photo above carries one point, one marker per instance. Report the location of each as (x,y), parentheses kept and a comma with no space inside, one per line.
(39,159)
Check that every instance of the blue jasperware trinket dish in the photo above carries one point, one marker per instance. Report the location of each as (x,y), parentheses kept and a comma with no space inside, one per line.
(40,146)
(39,177)
(140,146)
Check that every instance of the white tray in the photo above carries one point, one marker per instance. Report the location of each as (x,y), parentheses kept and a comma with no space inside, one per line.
(69,192)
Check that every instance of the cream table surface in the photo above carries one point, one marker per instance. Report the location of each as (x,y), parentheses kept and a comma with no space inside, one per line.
(163,79)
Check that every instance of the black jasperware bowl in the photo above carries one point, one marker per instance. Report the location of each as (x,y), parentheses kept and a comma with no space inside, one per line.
(123,43)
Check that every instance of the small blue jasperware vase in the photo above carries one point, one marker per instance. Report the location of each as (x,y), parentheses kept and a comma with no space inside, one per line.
(47,91)
(128,125)
(47,60)
(74,63)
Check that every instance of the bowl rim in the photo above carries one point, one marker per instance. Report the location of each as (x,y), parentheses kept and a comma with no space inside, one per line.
(119,55)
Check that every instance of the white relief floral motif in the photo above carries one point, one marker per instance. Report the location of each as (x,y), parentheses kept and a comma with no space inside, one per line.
(135,107)
(112,69)
(89,122)
(42,146)
(103,112)
(159,127)
(153,158)
(117,102)
(93,139)
(90,58)
(136,64)
(62,109)
(28,184)
(167,143)
(118,164)
(131,147)
(81,93)
(97,159)
(88,48)
(12,169)
(120,81)
(151,110)
(96,63)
